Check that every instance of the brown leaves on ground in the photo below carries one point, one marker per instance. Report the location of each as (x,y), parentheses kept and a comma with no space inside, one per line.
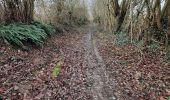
(27,75)
(21,70)
(138,76)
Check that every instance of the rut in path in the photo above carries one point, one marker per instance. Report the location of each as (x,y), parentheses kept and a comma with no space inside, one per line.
(100,86)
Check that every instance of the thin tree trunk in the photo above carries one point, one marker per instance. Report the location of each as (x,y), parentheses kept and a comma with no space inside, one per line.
(167,14)
(158,14)
(19,11)
(131,18)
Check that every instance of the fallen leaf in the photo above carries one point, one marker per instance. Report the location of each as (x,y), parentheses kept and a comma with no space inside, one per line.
(57,70)
(168,92)
(162,98)
(1,90)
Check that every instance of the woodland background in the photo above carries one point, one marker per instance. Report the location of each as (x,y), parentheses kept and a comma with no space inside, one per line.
(43,48)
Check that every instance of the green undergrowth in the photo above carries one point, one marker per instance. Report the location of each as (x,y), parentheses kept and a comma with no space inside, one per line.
(167,57)
(81,21)
(121,39)
(20,34)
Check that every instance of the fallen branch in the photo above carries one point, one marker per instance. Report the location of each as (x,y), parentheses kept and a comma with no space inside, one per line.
(157,41)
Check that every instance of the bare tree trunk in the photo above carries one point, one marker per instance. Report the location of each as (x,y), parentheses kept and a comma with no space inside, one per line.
(28,10)
(18,10)
(158,14)
(120,12)
(131,18)
(167,14)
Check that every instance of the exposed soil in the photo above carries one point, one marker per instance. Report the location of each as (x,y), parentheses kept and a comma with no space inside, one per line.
(93,68)
(101,87)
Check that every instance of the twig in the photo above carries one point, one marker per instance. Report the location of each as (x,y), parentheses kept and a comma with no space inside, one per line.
(157,41)
(142,55)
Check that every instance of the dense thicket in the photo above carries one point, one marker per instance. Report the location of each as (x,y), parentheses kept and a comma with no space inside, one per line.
(18,10)
(61,11)
(53,11)
(18,18)
(147,20)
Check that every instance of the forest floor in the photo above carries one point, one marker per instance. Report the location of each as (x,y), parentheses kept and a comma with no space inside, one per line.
(93,68)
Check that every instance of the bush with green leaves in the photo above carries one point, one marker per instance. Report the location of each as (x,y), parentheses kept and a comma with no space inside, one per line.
(121,39)
(82,20)
(19,33)
(154,47)
(49,29)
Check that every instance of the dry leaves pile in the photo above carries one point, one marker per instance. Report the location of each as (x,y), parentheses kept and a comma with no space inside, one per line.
(138,76)
(28,74)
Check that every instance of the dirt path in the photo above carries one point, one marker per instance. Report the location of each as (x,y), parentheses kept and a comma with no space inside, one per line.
(93,69)
(96,72)
(27,75)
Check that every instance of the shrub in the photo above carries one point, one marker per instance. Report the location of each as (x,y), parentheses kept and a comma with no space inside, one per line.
(49,29)
(82,20)
(20,33)
(167,57)
(121,39)
(154,47)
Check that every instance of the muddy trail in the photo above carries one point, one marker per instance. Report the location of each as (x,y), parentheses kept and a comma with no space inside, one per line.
(101,87)
(92,68)
(26,75)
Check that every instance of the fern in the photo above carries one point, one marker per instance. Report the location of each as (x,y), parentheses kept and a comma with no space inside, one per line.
(19,33)
(47,28)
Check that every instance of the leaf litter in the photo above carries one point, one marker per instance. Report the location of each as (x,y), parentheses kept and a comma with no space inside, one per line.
(144,76)
(29,75)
